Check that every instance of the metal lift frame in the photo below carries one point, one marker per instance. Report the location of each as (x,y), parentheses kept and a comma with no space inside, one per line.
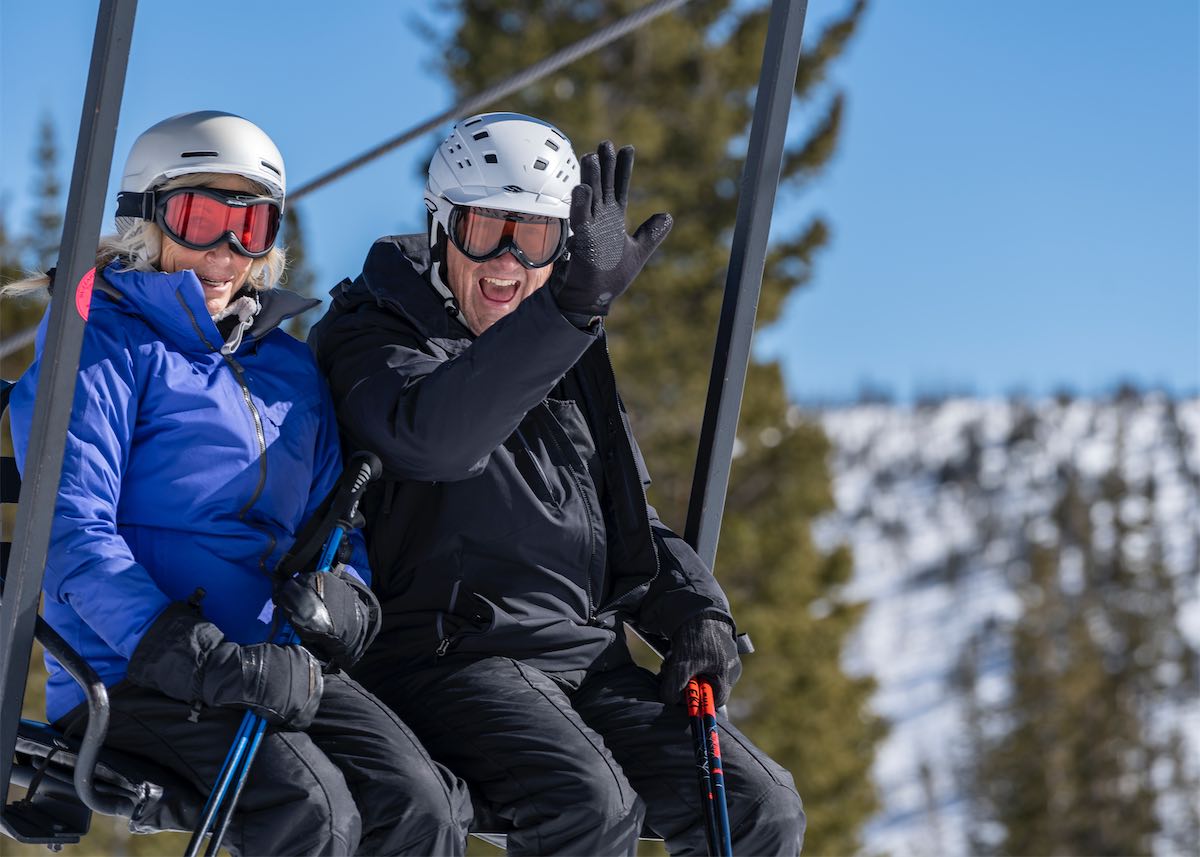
(60,364)
(64,336)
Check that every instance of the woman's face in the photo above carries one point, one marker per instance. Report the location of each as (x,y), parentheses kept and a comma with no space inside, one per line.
(222,270)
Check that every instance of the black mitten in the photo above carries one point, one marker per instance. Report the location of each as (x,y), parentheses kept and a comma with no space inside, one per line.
(604,258)
(334,613)
(703,646)
(188,658)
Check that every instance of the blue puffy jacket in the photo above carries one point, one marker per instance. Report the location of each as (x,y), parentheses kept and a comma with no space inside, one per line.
(183,468)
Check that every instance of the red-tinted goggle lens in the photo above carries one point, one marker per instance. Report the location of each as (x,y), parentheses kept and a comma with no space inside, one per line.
(484,233)
(202,218)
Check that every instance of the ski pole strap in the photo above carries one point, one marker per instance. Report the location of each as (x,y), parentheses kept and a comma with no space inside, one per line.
(341,504)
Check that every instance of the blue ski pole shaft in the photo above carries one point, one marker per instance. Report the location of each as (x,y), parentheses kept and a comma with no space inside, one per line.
(214,841)
(236,751)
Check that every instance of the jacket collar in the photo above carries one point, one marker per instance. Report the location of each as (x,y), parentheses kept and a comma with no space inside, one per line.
(173,306)
(395,275)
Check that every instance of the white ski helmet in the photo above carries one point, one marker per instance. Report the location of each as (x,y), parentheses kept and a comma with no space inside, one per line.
(507,161)
(206,141)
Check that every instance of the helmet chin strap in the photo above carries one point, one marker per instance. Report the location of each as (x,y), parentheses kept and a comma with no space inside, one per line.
(437,261)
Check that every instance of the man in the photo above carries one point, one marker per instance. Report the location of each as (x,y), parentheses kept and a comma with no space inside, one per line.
(510,535)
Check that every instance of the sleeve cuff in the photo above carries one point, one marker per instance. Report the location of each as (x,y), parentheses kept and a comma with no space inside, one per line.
(589,323)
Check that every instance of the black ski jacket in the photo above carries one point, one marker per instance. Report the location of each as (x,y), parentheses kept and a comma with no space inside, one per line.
(512,517)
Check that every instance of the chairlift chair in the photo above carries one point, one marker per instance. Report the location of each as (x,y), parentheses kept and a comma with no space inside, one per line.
(68,777)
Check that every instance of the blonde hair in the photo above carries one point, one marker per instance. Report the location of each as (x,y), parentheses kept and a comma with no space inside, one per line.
(138,245)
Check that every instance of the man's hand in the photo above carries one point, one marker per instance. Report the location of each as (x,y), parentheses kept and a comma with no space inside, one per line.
(604,258)
(703,646)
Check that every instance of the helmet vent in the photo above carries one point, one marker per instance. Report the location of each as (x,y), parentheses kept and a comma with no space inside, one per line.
(553,146)
(272,168)
(468,162)
(480,136)
(201,155)
(541,164)
(490,158)
(475,121)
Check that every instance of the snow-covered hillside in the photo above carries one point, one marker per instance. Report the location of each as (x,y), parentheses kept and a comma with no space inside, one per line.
(938,503)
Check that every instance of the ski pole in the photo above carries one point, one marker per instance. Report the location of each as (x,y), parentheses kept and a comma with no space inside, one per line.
(218,791)
(715,770)
(700,745)
(258,724)
(336,519)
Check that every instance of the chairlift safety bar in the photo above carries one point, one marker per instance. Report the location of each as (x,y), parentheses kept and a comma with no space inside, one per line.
(743,283)
(60,364)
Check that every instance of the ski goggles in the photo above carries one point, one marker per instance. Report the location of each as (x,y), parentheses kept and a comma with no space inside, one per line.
(480,234)
(203,217)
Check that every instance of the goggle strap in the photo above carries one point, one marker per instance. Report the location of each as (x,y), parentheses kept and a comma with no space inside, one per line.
(140,205)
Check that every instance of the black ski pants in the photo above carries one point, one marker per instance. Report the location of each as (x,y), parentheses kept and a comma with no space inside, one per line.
(565,763)
(355,781)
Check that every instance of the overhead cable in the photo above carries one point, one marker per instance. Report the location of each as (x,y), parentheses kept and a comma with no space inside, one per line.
(506,87)
(469,105)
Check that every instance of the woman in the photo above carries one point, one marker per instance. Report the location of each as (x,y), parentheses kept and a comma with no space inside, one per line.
(201,438)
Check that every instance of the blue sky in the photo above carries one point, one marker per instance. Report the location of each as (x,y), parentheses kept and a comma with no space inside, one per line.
(1015,203)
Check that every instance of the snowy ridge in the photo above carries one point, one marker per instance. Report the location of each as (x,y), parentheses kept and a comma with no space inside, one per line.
(937,503)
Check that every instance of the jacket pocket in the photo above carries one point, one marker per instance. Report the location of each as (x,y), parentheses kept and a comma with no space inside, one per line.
(456,623)
(532,471)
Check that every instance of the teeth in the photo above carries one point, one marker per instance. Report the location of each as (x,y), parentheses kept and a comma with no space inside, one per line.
(504,284)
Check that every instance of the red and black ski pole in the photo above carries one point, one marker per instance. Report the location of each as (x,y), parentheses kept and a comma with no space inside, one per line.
(703,716)
(700,744)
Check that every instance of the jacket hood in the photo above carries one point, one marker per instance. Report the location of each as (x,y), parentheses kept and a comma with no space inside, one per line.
(395,275)
(173,306)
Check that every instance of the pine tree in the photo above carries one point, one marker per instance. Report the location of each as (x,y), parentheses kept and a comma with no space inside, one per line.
(46,225)
(681,90)
(299,277)
(1066,764)
(37,250)
(17,315)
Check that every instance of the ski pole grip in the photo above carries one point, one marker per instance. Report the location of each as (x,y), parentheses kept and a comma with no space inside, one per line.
(366,467)
(693,698)
(706,697)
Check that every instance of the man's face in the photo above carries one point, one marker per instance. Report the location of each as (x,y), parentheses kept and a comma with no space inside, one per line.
(488,291)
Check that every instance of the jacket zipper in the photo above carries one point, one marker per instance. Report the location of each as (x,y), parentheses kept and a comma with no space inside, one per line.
(445,639)
(240,378)
(587,577)
(262,454)
(612,377)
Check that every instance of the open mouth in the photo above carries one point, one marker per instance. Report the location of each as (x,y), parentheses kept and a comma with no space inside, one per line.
(498,290)
(214,284)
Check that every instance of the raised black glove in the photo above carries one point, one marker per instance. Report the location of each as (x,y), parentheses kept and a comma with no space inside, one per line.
(188,658)
(335,614)
(604,259)
(703,646)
